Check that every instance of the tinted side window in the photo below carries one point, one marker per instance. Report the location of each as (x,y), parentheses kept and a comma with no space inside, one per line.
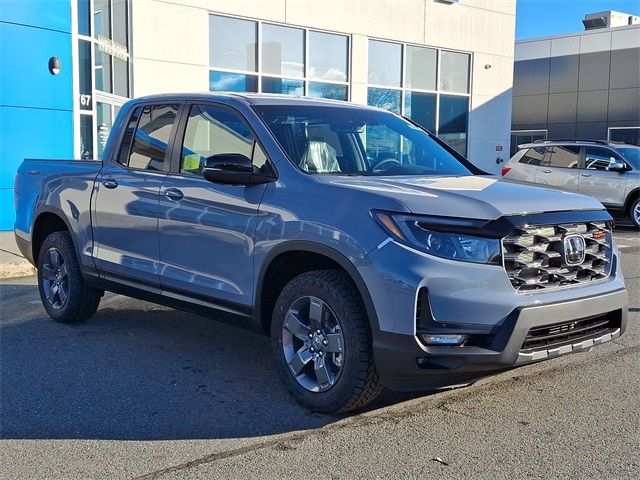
(564,157)
(534,156)
(123,154)
(152,137)
(599,158)
(214,130)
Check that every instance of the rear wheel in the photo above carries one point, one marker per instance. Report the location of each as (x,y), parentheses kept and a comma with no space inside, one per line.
(66,297)
(635,212)
(322,342)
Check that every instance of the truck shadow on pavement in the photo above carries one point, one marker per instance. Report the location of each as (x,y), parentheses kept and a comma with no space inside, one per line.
(137,371)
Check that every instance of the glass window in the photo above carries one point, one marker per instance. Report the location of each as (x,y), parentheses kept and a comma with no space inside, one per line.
(120,77)
(627,135)
(282,51)
(120,22)
(384,98)
(328,90)
(454,75)
(356,141)
(123,155)
(101,18)
(562,157)
(211,131)
(84,18)
(152,137)
(519,138)
(421,66)
(84,74)
(328,56)
(534,156)
(104,126)
(631,155)
(282,85)
(385,63)
(599,158)
(421,108)
(453,114)
(233,43)
(86,137)
(232,82)
(102,70)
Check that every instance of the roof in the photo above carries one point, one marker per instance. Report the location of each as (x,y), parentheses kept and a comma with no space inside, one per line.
(547,143)
(246,98)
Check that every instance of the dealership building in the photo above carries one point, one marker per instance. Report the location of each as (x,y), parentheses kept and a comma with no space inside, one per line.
(67,66)
(584,85)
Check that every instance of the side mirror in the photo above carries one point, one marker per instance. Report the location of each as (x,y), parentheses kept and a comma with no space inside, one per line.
(617,166)
(233,169)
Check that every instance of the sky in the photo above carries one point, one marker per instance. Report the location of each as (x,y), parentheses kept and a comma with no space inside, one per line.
(537,18)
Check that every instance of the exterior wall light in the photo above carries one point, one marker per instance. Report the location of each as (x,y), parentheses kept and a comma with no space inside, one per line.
(54,66)
(487,66)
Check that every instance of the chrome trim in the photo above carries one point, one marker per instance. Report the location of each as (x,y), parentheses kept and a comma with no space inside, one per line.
(564,349)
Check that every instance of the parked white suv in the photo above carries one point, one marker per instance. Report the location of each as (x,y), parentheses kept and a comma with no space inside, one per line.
(608,171)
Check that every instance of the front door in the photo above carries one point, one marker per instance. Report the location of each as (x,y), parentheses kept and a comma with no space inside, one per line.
(125,220)
(207,229)
(598,181)
(559,168)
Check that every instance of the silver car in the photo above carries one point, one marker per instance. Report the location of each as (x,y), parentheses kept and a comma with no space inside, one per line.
(608,171)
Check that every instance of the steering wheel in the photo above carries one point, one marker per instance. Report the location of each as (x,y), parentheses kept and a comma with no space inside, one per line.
(383,161)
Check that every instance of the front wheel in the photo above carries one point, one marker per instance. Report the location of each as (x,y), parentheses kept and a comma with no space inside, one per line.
(66,297)
(322,342)
(635,212)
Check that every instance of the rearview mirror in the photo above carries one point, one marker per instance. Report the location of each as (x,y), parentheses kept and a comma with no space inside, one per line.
(233,169)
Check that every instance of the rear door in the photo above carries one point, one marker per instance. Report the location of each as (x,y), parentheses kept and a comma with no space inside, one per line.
(560,168)
(525,163)
(207,229)
(596,179)
(125,218)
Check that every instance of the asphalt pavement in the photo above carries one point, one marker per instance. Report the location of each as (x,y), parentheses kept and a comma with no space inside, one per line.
(146,391)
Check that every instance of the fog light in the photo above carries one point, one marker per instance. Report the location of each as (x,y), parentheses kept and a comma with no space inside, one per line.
(444,339)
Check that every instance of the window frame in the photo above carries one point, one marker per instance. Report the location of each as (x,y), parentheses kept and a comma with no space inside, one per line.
(306,79)
(403,89)
(181,131)
(550,151)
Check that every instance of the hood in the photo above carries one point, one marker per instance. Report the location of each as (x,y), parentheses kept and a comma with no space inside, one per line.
(483,197)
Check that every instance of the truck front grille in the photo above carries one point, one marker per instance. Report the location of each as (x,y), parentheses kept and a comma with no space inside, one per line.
(534,256)
(560,334)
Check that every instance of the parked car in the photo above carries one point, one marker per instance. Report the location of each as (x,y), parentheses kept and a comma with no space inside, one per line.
(608,171)
(403,266)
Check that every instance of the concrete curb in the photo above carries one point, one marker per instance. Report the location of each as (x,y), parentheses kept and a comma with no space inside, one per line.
(16,270)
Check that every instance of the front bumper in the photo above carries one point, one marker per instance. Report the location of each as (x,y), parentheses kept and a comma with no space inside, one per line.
(404,364)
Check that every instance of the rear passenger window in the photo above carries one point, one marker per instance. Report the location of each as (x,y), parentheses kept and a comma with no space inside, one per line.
(149,146)
(564,156)
(534,156)
(599,158)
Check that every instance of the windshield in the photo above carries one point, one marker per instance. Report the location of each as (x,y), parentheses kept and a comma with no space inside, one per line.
(353,141)
(631,155)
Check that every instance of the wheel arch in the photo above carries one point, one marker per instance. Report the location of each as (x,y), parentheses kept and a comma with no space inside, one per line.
(47,221)
(631,197)
(304,256)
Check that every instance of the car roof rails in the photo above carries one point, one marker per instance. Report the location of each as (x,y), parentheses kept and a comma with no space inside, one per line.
(573,140)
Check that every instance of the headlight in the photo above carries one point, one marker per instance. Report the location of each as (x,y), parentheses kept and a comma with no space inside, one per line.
(441,236)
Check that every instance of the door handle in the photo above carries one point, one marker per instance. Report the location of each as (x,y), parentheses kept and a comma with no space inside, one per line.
(546,171)
(173,194)
(586,174)
(110,183)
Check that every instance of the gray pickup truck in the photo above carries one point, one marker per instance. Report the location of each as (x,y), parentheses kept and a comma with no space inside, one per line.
(371,252)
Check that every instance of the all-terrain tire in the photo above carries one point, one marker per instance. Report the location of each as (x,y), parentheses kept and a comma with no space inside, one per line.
(80,300)
(358,382)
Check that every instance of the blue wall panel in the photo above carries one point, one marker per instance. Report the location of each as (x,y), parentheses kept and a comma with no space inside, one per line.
(24,67)
(36,108)
(50,14)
